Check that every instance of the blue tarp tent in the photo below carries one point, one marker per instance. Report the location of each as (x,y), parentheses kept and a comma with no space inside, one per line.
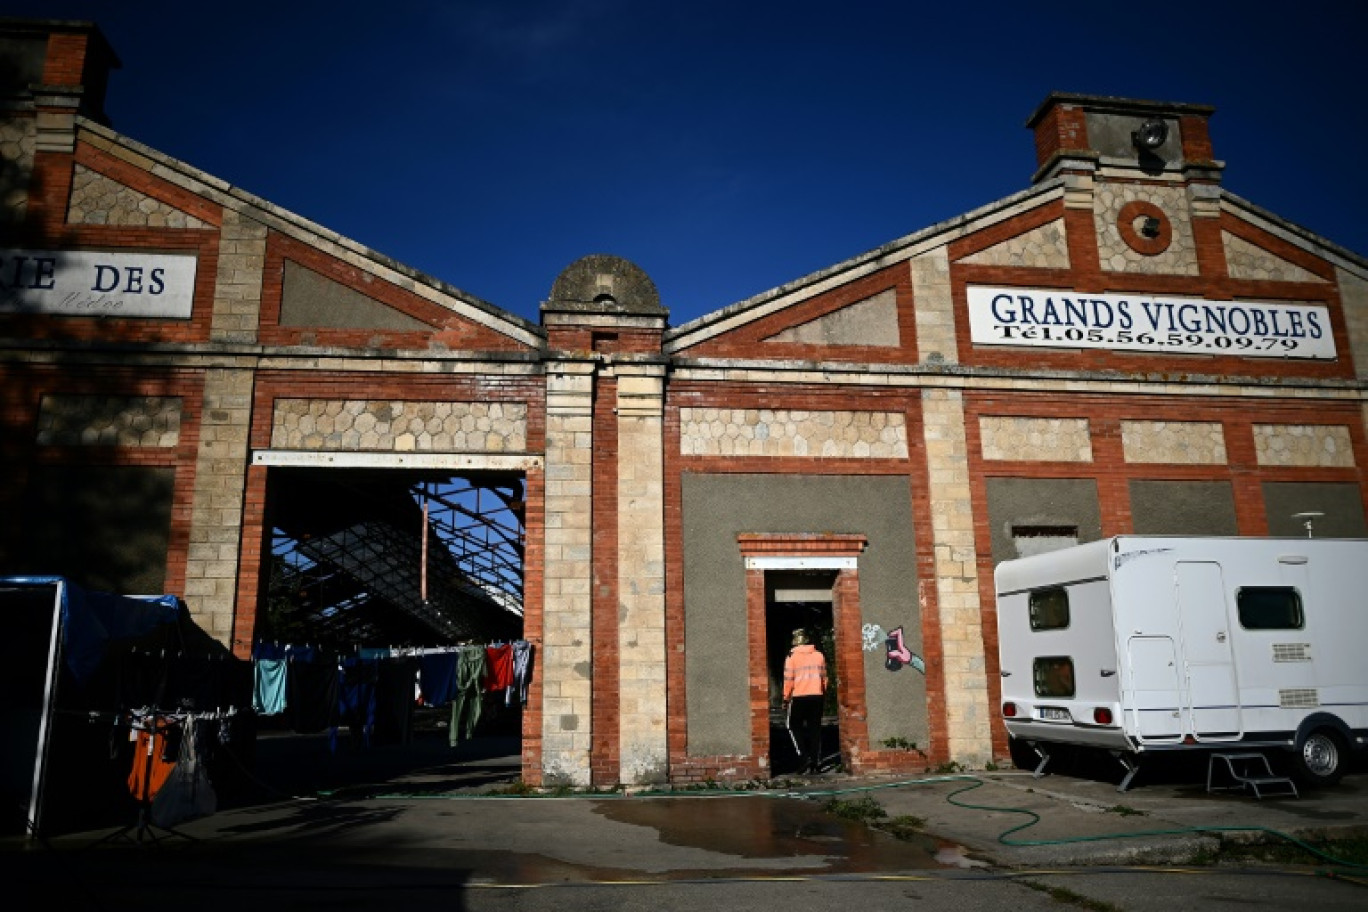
(89,620)
(61,635)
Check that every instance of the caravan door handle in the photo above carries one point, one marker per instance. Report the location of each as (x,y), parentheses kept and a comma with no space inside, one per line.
(1220,636)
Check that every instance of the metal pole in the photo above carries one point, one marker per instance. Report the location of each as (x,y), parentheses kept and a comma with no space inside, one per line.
(422,573)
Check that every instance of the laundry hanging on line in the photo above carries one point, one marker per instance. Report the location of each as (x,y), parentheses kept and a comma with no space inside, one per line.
(376,687)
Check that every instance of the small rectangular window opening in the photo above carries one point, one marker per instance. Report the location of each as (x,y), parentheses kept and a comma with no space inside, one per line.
(1032,540)
(1270,608)
(1049,608)
(1054,676)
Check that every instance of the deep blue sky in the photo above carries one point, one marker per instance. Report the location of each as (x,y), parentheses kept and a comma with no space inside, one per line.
(725,147)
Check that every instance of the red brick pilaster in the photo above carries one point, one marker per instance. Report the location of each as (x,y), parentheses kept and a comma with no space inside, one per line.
(253,577)
(605,752)
(1251,517)
(1081,228)
(1113,487)
(534,553)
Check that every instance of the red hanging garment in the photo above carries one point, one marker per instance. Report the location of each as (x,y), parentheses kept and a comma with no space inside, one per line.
(151,763)
(499,671)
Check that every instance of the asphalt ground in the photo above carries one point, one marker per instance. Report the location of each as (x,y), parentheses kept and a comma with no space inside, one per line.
(1166,816)
(368,827)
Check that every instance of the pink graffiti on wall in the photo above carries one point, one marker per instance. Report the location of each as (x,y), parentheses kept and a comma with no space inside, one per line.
(898,653)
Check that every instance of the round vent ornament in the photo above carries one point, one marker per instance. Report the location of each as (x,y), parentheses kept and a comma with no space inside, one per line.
(1144,227)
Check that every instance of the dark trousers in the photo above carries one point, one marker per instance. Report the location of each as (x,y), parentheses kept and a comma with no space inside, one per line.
(805,721)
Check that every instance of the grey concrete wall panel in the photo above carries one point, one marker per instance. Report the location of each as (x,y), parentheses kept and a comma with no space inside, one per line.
(1110,134)
(873,321)
(1183,508)
(1041,502)
(308,299)
(1341,503)
(23,56)
(718,507)
(107,528)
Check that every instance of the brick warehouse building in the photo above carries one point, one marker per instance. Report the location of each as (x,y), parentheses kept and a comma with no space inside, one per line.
(1123,346)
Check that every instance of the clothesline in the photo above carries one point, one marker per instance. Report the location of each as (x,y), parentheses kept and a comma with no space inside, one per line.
(321,691)
(269,649)
(177,715)
(221,655)
(168,777)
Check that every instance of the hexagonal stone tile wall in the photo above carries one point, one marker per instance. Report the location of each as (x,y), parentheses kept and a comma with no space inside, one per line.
(1176,442)
(130,421)
(792,432)
(1044,439)
(1303,445)
(97,200)
(1116,256)
(399,426)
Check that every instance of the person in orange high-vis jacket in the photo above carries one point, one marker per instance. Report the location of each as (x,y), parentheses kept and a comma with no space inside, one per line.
(805,682)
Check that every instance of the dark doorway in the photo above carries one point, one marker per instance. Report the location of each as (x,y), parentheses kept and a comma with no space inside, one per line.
(390,557)
(377,570)
(799,600)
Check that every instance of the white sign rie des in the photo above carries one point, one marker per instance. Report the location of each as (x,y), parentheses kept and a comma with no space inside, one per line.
(1051,318)
(92,283)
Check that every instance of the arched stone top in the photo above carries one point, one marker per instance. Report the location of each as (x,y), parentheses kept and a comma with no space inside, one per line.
(601,283)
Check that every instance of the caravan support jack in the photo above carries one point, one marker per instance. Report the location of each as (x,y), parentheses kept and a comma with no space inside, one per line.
(1131,767)
(1044,759)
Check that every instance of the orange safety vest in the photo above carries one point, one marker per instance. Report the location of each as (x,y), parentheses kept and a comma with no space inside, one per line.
(804,672)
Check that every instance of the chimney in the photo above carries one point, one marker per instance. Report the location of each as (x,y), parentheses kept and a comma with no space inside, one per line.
(58,69)
(1076,134)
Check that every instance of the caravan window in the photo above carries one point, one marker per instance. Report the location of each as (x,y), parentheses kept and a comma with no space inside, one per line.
(1054,676)
(1050,609)
(1270,608)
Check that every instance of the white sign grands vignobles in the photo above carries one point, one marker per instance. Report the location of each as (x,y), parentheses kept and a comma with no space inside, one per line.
(1139,322)
(92,283)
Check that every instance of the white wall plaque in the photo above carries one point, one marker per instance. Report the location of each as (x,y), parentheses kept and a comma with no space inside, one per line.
(1050,318)
(91,283)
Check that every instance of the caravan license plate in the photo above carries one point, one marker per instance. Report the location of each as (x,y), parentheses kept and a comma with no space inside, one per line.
(1054,714)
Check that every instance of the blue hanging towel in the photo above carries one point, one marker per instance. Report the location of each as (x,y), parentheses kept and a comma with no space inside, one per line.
(268,694)
(437,677)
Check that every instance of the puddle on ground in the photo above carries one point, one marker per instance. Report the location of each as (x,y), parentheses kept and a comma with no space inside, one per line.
(758,827)
(954,856)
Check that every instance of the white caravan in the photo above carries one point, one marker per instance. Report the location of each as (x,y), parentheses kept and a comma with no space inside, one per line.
(1139,644)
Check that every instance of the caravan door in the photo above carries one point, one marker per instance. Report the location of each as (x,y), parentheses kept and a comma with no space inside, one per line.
(1153,695)
(1213,698)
